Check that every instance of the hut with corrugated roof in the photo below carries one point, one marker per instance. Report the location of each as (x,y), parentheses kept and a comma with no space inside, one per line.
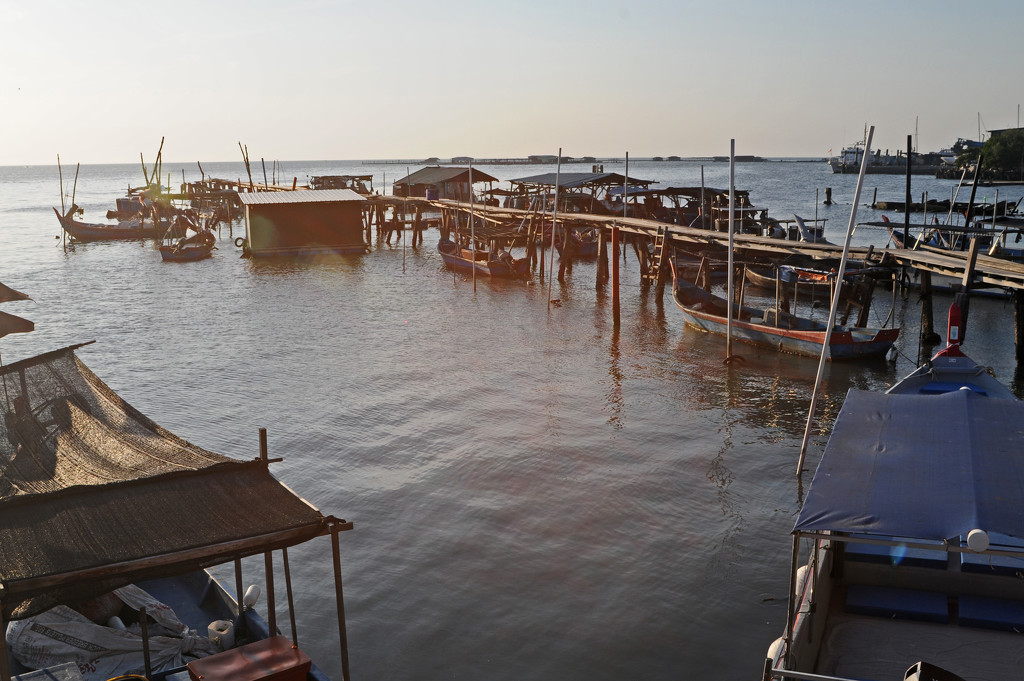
(440,182)
(304,222)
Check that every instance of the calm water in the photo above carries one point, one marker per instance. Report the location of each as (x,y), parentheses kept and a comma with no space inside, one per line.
(535,496)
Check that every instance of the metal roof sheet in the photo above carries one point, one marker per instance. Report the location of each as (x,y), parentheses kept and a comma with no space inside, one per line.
(299,196)
(572,180)
(435,174)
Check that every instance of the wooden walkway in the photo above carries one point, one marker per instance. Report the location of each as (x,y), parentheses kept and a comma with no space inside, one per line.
(988,271)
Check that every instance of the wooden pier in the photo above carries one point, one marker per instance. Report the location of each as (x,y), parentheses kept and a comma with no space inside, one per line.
(649,238)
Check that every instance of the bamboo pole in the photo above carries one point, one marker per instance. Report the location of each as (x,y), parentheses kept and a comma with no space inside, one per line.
(291,600)
(835,301)
(554,224)
(732,220)
(472,226)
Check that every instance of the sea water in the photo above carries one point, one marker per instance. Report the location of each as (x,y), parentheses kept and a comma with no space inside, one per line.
(535,494)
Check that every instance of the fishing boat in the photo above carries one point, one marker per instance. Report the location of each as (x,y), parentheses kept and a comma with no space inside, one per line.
(196,242)
(498,264)
(135,228)
(110,528)
(908,551)
(585,243)
(775,328)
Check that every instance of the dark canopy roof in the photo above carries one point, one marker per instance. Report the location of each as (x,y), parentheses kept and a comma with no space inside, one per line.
(574,180)
(920,466)
(436,174)
(94,495)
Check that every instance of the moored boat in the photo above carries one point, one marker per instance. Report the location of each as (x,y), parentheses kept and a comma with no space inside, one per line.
(777,329)
(135,228)
(584,243)
(196,243)
(499,264)
(109,526)
(909,548)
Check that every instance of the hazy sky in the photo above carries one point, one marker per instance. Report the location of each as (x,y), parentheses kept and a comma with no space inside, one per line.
(103,81)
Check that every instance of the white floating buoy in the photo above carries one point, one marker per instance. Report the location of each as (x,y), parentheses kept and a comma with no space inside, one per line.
(252,594)
(977,540)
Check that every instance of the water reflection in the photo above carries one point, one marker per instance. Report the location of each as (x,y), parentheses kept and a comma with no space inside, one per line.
(613,396)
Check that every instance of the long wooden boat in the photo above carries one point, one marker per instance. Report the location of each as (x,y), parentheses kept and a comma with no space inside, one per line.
(777,329)
(466,259)
(908,550)
(104,513)
(135,228)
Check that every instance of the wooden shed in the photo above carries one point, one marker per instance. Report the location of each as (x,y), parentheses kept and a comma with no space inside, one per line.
(439,182)
(305,222)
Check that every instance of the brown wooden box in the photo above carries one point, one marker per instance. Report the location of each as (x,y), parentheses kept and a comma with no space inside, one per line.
(272,659)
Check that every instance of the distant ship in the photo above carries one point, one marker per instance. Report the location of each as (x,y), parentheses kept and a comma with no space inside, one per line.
(849,160)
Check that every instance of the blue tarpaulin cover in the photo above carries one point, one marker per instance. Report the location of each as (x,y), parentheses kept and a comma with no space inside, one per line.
(924,466)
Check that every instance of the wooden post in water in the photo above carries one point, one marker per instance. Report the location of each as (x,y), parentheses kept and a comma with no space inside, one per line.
(928,335)
(554,224)
(602,256)
(906,208)
(1018,324)
(615,275)
(732,218)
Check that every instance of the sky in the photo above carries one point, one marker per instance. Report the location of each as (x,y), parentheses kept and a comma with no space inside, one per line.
(105,81)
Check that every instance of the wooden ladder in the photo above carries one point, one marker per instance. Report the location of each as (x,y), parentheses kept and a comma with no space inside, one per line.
(654,266)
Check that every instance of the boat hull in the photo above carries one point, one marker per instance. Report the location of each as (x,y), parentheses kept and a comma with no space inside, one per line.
(172,254)
(795,335)
(96,231)
(508,269)
(843,345)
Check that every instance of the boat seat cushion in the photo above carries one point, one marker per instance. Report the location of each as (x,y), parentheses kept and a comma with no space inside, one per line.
(994,564)
(991,613)
(940,387)
(884,601)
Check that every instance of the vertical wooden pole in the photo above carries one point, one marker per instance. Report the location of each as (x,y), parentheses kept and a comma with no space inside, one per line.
(906,208)
(238,586)
(340,601)
(5,664)
(268,562)
(615,276)
(288,591)
(1018,323)
(554,224)
(144,626)
(928,335)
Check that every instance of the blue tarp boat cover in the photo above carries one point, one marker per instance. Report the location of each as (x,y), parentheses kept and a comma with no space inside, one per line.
(924,466)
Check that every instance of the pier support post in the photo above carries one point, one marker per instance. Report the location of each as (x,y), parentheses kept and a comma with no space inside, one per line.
(828,196)
(602,257)
(928,335)
(1018,324)
(615,276)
